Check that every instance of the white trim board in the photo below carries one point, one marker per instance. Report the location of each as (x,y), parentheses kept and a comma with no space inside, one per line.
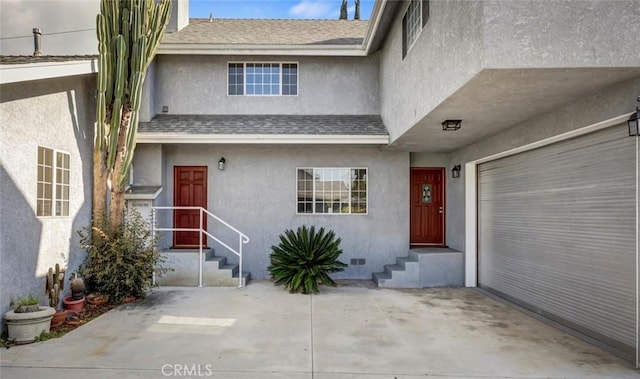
(471,199)
(272,50)
(34,71)
(284,139)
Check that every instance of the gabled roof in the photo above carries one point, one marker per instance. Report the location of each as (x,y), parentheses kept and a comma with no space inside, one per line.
(366,129)
(205,36)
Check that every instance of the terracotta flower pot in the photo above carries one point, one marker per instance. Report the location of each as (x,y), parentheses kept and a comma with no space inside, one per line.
(73,305)
(96,299)
(59,318)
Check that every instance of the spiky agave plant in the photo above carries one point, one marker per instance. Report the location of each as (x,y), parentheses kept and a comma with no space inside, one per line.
(304,259)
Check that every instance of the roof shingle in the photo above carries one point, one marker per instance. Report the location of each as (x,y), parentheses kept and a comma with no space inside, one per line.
(270,32)
(266,124)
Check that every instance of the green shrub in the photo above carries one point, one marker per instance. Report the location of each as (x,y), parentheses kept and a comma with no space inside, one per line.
(303,259)
(120,262)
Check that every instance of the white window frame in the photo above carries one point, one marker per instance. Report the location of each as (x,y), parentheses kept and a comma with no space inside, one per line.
(244,77)
(314,213)
(418,25)
(54,184)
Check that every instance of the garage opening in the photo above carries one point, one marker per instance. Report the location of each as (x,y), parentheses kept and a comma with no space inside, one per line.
(557,234)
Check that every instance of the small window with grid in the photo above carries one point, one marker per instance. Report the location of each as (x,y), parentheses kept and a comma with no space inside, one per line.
(52,183)
(262,79)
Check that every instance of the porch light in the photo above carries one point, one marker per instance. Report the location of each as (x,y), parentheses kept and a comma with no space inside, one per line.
(221,163)
(634,129)
(455,171)
(451,124)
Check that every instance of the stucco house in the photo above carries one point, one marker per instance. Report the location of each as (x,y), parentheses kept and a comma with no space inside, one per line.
(358,126)
(47,115)
(271,124)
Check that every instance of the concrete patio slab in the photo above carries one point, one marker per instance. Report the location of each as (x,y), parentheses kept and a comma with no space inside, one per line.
(353,331)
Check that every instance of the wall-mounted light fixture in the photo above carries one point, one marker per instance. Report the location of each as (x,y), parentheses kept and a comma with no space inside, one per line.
(634,128)
(455,171)
(221,163)
(451,124)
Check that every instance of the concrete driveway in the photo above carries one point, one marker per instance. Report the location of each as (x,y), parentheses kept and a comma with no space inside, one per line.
(353,331)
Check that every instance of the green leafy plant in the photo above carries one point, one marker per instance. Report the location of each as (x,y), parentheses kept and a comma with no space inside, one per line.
(304,259)
(121,260)
(29,303)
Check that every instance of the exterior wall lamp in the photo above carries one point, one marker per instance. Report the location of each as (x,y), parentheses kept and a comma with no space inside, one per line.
(221,163)
(451,124)
(634,128)
(455,171)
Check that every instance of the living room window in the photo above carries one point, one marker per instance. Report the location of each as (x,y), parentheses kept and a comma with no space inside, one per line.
(262,79)
(414,19)
(52,183)
(332,190)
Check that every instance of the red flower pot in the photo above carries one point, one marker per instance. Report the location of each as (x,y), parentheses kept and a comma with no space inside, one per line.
(73,305)
(59,318)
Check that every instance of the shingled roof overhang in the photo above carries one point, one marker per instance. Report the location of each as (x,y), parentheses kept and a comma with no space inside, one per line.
(264,129)
(22,68)
(267,37)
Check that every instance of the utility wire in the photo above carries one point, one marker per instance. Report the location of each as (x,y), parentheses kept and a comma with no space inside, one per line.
(51,34)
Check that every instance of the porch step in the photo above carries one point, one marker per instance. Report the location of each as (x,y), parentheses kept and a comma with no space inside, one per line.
(424,267)
(216,272)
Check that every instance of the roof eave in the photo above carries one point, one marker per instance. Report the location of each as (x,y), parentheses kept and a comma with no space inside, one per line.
(284,139)
(237,49)
(14,73)
(374,22)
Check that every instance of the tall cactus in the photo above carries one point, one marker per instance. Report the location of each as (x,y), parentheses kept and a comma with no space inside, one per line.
(55,284)
(129,32)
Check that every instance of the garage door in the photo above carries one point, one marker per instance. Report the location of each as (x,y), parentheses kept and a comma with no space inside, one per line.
(557,233)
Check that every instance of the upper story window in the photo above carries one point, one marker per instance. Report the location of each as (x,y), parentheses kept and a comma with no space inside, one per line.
(263,79)
(53,183)
(414,19)
(332,190)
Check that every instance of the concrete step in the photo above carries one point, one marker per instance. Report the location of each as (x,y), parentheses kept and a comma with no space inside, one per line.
(424,267)
(391,268)
(403,261)
(246,276)
(216,261)
(380,277)
(216,271)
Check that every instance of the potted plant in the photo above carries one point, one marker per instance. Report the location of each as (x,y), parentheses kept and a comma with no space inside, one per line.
(28,319)
(55,284)
(75,302)
(97,298)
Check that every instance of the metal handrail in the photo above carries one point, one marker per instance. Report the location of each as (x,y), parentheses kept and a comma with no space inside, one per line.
(243,238)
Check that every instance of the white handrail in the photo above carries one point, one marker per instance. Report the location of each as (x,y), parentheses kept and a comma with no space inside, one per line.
(243,238)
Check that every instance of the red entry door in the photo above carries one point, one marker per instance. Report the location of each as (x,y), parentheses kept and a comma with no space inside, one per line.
(427,206)
(190,189)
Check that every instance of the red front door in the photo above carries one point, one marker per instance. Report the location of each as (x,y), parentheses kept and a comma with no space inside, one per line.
(427,206)
(190,189)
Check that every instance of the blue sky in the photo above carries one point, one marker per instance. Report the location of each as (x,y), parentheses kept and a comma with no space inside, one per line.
(318,9)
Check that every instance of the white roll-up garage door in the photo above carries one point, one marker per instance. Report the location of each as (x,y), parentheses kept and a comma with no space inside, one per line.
(557,233)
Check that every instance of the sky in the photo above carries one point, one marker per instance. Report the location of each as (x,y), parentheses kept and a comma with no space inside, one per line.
(68,26)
